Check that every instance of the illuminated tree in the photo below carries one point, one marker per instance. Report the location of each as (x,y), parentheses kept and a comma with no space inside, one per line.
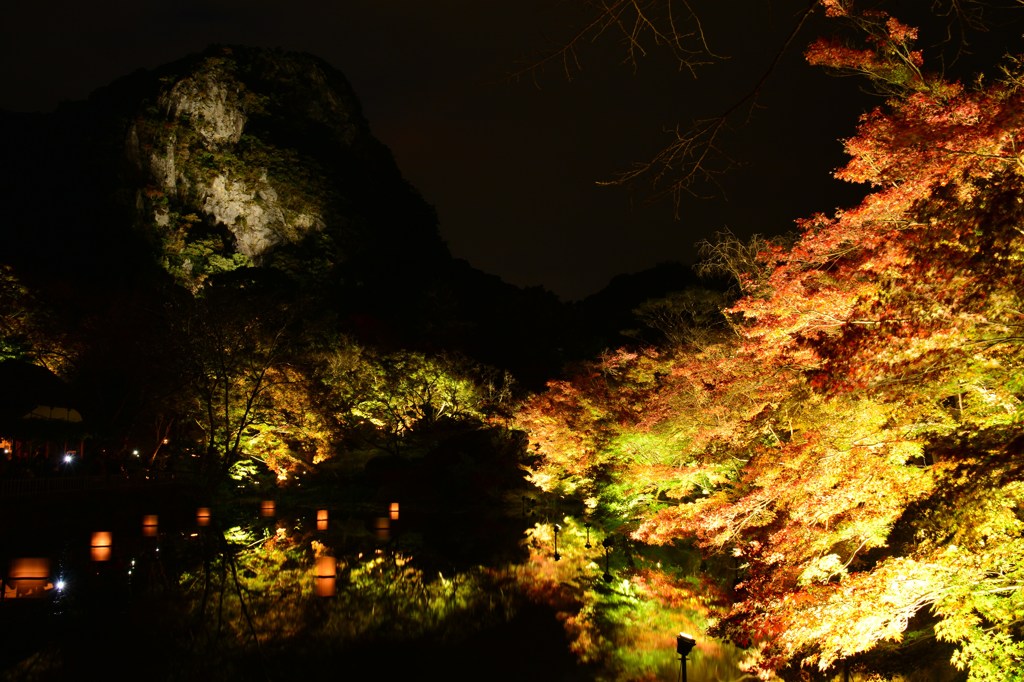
(234,348)
(848,37)
(856,446)
(292,432)
(383,399)
(27,327)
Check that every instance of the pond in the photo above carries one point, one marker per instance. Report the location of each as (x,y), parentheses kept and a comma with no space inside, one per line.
(145,584)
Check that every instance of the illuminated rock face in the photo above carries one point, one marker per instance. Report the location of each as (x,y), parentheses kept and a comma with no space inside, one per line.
(240,165)
(210,100)
(244,154)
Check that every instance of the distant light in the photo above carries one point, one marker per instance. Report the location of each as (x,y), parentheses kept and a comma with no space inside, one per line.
(68,458)
(135,453)
(60,585)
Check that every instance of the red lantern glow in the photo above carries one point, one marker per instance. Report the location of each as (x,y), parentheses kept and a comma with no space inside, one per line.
(28,577)
(324,585)
(101,546)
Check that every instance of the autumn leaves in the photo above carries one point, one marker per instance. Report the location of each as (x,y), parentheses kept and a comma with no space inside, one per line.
(848,438)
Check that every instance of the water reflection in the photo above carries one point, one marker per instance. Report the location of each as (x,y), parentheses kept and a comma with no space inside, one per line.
(101,546)
(289,595)
(382,528)
(326,568)
(28,577)
(622,604)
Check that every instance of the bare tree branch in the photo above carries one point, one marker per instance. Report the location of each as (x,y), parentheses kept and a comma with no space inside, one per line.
(693,160)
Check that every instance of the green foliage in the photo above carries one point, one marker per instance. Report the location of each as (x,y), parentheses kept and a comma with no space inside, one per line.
(386,398)
(257,599)
(28,328)
(855,445)
(624,621)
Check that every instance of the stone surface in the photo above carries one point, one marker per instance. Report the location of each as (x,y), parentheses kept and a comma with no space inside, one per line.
(244,152)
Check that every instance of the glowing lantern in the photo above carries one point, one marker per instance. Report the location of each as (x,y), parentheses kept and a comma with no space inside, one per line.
(267,508)
(203,516)
(28,577)
(321,519)
(101,546)
(326,567)
(382,528)
(149,525)
(394,511)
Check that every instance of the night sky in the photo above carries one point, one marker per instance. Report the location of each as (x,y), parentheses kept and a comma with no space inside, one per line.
(512,165)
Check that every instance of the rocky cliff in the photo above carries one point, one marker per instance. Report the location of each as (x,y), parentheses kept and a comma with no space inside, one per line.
(255,157)
(239,162)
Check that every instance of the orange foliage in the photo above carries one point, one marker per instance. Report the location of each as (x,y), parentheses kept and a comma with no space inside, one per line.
(824,447)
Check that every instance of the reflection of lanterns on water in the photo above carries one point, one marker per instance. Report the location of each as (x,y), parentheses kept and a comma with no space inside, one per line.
(267,508)
(382,528)
(203,516)
(321,519)
(393,511)
(28,577)
(326,567)
(101,546)
(149,525)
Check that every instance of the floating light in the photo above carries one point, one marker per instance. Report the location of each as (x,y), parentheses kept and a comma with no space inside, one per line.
(267,508)
(324,583)
(321,519)
(382,528)
(28,577)
(149,525)
(101,546)
(203,516)
(393,511)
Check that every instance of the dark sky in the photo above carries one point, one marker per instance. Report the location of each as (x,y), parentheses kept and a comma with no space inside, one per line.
(511,165)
